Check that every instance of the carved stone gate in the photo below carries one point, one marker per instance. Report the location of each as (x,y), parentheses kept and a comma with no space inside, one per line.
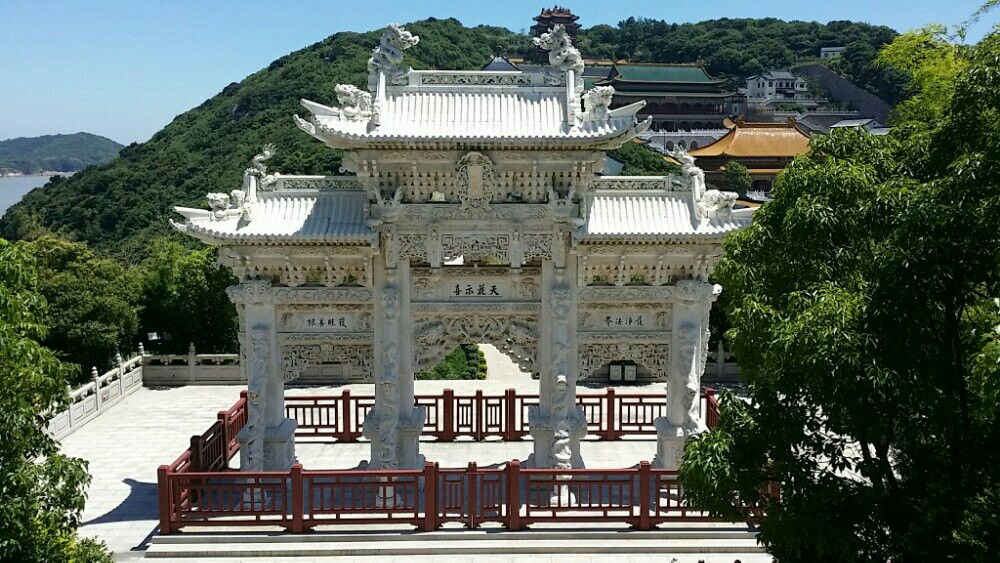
(475,212)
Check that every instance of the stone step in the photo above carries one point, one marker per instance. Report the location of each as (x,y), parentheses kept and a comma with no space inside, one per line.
(716,539)
(458,535)
(424,548)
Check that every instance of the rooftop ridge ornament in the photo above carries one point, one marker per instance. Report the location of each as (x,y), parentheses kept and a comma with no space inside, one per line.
(388,54)
(597,102)
(708,204)
(563,56)
(355,104)
(257,166)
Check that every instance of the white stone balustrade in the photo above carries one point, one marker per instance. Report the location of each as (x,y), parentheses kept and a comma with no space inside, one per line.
(103,392)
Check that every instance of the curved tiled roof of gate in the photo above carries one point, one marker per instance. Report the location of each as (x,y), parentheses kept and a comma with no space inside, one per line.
(292,217)
(644,215)
(493,107)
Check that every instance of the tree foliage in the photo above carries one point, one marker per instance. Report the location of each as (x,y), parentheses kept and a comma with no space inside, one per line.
(738,178)
(865,310)
(184,296)
(92,303)
(42,492)
(640,160)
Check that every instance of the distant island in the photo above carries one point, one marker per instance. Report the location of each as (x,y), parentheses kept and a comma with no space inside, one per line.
(55,154)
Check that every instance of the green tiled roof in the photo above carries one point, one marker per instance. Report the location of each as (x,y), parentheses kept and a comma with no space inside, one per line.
(663,73)
(662,94)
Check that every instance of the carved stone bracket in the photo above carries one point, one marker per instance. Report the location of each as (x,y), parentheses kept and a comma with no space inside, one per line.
(524,212)
(637,293)
(692,292)
(476,247)
(296,358)
(322,295)
(251,292)
(435,337)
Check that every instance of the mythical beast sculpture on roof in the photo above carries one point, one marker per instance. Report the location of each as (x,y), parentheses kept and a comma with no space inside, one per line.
(563,56)
(389,53)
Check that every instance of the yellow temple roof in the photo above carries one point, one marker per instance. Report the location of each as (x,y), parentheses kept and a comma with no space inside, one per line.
(757,140)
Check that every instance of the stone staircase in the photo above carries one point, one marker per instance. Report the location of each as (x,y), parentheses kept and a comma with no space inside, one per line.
(711,543)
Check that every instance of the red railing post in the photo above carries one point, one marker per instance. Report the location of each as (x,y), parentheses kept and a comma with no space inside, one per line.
(298,499)
(345,408)
(448,416)
(509,415)
(610,404)
(430,497)
(480,420)
(165,499)
(514,495)
(645,495)
(223,418)
(472,482)
(196,461)
(711,409)
(196,464)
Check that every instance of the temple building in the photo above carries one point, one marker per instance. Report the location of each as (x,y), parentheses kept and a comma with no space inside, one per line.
(764,148)
(679,97)
(473,209)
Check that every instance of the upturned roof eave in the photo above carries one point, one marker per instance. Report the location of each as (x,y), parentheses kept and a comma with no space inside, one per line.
(219,239)
(640,239)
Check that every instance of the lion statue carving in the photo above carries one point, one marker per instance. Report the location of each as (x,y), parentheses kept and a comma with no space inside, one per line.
(597,100)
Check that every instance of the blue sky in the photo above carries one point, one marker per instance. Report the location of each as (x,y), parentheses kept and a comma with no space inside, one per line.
(124,69)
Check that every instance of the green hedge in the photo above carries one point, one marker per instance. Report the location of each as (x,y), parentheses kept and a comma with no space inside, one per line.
(465,362)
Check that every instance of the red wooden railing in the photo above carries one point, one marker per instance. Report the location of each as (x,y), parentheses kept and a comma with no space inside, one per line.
(198,489)
(514,497)
(610,415)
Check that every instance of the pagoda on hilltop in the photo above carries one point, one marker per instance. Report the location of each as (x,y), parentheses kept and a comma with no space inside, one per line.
(473,209)
(548,19)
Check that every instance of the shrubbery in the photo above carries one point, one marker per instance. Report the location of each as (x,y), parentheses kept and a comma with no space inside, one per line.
(465,362)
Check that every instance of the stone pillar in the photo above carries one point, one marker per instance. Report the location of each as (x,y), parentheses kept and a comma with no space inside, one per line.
(691,301)
(267,442)
(557,424)
(394,424)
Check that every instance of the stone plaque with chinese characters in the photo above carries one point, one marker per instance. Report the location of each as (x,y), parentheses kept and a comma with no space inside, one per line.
(620,320)
(325,321)
(478,289)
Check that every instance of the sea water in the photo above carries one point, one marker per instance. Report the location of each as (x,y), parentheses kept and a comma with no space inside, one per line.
(13,188)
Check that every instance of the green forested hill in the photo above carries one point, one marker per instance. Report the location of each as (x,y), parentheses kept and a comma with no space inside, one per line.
(118,207)
(59,153)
